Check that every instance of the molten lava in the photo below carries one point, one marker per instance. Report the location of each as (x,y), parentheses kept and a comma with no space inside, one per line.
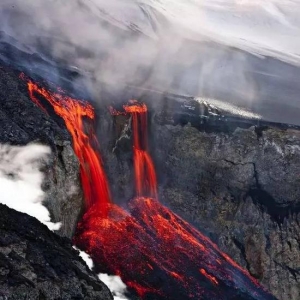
(161,256)
(73,112)
(145,176)
(157,254)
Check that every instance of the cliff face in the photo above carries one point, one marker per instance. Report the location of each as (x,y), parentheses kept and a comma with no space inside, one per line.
(242,189)
(38,264)
(22,122)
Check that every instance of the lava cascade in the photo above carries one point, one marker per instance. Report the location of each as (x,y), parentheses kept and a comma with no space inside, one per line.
(74,112)
(161,256)
(145,176)
(157,254)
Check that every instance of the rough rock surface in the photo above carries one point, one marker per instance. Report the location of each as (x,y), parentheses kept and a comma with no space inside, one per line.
(22,122)
(242,189)
(35,263)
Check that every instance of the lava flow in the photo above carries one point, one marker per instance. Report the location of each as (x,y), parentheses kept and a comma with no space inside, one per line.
(73,112)
(145,176)
(161,256)
(156,253)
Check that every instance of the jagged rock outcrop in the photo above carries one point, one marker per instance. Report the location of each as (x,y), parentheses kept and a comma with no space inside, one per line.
(22,122)
(37,264)
(242,189)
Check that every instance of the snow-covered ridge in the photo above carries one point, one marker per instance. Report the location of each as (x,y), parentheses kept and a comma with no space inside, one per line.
(262,27)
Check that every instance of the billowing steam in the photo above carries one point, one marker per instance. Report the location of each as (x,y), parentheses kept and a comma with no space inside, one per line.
(114,283)
(21,180)
(211,48)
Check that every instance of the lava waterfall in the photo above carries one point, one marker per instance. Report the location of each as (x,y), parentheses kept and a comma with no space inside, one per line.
(156,253)
(74,112)
(145,176)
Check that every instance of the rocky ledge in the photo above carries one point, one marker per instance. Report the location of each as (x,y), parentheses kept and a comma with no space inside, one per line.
(35,263)
(243,190)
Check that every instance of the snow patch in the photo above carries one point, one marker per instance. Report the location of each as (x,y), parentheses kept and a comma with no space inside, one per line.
(234,109)
(114,283)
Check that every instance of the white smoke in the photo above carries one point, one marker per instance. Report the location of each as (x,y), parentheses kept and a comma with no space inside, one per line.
(190,47)
(263,26)
(114,283)
(21,180)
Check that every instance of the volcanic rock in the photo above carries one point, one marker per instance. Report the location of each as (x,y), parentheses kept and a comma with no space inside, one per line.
(35,263)
(240,188)
(22,122)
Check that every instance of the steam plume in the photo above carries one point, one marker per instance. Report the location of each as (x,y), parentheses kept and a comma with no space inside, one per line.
(21,180)
(187,47)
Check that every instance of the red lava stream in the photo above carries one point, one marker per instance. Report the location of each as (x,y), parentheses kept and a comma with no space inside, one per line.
(156,253)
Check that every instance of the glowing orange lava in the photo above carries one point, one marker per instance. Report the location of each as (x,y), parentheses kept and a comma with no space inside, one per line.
(161,256)
(73,112)
(156,253)
(211,278)
(145,175)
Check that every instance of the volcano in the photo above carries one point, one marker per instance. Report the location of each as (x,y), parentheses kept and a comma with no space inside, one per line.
(156,253)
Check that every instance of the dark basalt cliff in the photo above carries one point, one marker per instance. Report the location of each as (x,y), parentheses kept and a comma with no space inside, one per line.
(242,189)
(37,264)
(22,122)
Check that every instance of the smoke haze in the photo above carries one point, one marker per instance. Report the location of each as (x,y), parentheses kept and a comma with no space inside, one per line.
(236,51)
(21,180)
